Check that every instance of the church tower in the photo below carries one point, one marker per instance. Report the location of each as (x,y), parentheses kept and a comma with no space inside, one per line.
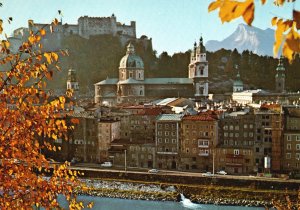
(198,71)
(72,82)
(280,77)
(238,85)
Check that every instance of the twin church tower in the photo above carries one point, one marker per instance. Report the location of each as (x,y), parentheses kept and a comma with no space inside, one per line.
(133,87)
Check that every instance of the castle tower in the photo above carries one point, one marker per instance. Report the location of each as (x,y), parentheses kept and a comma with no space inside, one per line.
(280,77)
(198,71)
(238,85)
(72,82)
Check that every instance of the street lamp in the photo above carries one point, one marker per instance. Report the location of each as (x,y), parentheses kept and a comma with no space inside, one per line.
(125,164)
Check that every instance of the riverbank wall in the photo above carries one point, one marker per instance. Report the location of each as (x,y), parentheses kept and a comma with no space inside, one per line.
(220,190)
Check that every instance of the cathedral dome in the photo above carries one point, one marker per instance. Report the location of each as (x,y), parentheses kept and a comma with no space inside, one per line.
(130,60)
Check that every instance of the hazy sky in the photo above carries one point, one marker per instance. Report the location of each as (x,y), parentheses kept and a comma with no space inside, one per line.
(173,25)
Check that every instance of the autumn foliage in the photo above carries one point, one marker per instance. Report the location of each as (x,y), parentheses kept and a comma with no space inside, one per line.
(286,34)
(28,120)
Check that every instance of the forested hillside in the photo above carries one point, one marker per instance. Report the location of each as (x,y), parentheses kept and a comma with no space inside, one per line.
(98,58)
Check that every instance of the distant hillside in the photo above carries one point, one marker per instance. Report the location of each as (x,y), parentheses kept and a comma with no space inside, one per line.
(246,38)
(98,58)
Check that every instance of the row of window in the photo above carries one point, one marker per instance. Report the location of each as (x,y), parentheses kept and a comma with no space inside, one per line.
(236,142)
(199,127)
(166,149)
(289,156)
(289,137)
(201,133)
(289,146)
(237,127)
(166,140)
(167,133)
(167,126)
(137,148)
(245,134)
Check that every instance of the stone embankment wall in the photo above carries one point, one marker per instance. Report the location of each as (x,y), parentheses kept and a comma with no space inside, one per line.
(252,183)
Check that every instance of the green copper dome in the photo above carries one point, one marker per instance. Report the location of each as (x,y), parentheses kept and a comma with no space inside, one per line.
(131,60)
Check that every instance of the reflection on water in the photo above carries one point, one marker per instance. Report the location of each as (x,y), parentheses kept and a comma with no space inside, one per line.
(101,203)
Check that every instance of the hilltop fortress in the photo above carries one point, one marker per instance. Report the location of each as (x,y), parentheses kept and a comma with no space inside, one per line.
(86,27)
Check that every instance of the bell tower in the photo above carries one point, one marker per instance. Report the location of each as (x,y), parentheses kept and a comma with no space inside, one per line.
(280,77)
(198,71)
(72,82)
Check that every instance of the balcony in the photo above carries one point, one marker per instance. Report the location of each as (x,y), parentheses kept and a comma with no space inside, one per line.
(202,146)
(203,154)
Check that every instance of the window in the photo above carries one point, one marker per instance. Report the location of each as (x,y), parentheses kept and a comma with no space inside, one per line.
(288,155)
(225,127)
(251,126)
(225,134)
(174,141)
(250,134)
(236,152)
(236,135)
(159,133)
(288,137)
(167,140)
(245,126)
(202,143)
(297,138)
(237,127)
(231,134)
(194,150)
(167,133)
(297,146)
(159,140)
(257,149)
(225,142)
(173,133)
(166,126)
(298,156)
(288,146)
(231,127)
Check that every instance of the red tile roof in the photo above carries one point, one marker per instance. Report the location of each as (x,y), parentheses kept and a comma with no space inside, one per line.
(201,117)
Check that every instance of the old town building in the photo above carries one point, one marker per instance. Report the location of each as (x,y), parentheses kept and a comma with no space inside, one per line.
(167,134)
(198,142)
(234,153)
(291,141)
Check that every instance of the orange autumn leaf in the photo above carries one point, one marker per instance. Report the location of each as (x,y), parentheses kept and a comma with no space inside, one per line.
(42,32)
(296,18)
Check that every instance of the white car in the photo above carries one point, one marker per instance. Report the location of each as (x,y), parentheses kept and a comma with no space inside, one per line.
(207,174)
(106,164)
(222,172)
(153,171)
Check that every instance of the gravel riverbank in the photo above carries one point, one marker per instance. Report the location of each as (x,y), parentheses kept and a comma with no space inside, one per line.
(164,192)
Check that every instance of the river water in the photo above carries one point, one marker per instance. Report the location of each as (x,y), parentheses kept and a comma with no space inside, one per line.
(101,203)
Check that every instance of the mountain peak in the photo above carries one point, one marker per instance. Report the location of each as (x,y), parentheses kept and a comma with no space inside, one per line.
(246,38)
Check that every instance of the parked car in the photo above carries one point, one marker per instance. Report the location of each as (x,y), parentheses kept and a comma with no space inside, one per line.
(222,172)
(153,171)
(207,174)
(106,164)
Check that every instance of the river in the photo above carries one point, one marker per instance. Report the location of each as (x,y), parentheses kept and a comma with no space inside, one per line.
(101,203)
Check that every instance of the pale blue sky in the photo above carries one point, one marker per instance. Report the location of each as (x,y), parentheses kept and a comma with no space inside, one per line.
(173,25)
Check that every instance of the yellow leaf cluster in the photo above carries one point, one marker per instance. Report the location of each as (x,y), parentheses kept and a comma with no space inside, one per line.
(232,9)
(287,36)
